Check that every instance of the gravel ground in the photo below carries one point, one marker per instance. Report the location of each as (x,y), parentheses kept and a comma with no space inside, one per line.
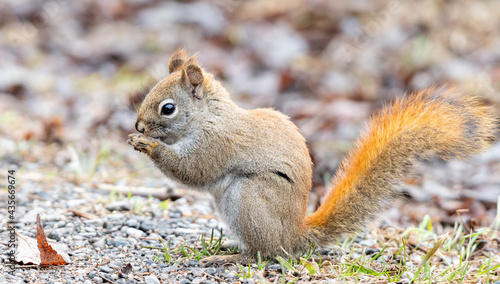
(108,231)
(119,232)
(72,74)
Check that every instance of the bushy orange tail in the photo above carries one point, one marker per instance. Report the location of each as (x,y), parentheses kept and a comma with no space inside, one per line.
(414,127)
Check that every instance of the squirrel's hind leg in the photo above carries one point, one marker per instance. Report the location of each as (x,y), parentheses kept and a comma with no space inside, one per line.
(270,221)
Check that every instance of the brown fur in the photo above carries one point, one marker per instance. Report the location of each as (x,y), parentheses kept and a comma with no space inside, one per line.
(257,167)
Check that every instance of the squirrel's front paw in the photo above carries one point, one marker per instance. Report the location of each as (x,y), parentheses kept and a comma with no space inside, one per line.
(142,143)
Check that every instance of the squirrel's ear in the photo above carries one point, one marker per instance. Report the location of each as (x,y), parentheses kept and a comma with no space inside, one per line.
(192,76)
(177,59)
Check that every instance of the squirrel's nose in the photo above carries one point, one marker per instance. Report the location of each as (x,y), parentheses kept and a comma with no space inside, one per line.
(139,126)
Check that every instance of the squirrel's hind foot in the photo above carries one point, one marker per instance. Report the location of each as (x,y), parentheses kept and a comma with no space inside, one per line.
(224,259)
(231,245)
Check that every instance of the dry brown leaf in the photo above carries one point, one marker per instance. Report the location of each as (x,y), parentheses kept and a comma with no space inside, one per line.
(48,255)
(28,253)
(38,251)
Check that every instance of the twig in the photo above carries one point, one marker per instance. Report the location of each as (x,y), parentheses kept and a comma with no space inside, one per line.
(148,238)
(27,266)
(83,214)
(462,220)
(214,277)
(102,276)
(161,193)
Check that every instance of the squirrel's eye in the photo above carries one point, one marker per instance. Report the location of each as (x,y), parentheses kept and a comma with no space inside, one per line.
(167,108)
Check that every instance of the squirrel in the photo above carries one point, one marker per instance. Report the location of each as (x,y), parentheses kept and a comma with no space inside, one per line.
(256,164)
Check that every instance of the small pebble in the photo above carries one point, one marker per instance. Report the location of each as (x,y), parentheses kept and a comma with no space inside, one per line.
(119,241)
(57,234)
(105,268)
(120,205)
(75,203)
(132,223)
(148,225)
(135,232)
(97,222)
(197,280)
(197,272)
(274,267)
(101,243)
(151,279)
(210,271)
(116,217)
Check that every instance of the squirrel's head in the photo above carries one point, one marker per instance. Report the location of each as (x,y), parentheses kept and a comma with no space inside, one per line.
(175,102)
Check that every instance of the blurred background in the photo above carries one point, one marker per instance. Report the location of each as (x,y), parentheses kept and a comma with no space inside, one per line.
(73,74)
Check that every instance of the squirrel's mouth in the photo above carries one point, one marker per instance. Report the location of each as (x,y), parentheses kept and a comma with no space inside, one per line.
(164,136)
(161,138)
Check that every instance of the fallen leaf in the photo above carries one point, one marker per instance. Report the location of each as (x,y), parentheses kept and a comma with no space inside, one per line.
(48,255)
(38,251)
(126,269)
(28,252)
